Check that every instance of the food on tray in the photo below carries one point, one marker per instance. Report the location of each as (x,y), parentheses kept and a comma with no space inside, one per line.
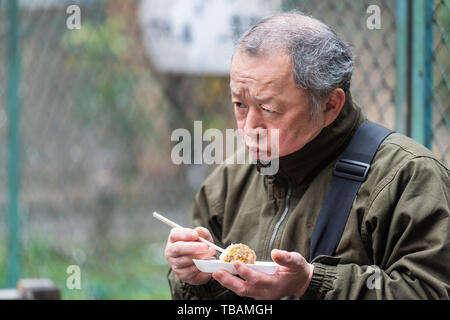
(238,252)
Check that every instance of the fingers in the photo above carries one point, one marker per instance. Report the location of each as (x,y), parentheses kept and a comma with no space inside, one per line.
(231,282)
(204,233)
(197,250)
(253,277)
(192,275)
(291,260)
(187,234)
(253,283)
(181,262)
(182,234)
(183,245)
(184,242)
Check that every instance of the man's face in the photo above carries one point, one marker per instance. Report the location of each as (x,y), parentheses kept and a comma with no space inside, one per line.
(265,97)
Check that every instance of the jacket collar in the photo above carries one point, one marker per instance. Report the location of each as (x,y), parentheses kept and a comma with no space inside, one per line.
(322,150)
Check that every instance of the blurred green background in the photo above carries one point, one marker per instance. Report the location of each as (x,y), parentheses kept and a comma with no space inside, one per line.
(95,118)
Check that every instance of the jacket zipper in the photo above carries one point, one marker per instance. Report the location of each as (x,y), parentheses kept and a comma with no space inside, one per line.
(283,216)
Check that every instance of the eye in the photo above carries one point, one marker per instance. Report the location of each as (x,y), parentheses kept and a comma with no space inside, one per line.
(239,105)
(266,109)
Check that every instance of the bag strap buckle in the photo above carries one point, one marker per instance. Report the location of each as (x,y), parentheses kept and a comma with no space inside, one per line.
(350,169)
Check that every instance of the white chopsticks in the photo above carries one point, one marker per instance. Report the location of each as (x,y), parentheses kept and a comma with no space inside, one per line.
(174,225)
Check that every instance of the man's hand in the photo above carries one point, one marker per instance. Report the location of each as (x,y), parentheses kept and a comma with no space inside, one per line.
(292,278)
(182,246)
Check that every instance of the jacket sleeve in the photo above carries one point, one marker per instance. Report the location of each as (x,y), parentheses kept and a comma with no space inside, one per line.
(208,212)
(408,223)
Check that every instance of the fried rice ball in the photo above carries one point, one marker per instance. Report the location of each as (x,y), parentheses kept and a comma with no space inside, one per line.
(238,252)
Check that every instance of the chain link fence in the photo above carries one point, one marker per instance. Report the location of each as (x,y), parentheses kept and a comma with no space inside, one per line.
(373,81)
(96,119)
(440,96)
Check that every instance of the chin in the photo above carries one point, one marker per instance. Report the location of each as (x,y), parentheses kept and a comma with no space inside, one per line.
(260,155)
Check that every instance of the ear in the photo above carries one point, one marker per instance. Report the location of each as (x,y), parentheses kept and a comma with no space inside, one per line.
(333,105)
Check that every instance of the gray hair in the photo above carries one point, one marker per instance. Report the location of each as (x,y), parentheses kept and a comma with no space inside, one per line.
(321,60)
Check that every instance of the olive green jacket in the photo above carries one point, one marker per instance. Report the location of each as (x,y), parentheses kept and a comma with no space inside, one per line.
(395,245)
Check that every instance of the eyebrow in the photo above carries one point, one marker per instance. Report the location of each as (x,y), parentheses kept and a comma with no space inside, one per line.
(264,99)
(260,100)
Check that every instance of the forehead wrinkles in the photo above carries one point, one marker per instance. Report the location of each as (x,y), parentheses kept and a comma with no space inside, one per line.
(245,85)
(263,75)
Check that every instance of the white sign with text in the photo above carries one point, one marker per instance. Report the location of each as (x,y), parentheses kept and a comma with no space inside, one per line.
(197,36)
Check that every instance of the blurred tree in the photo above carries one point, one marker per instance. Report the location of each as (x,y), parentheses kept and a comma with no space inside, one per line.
(106,86)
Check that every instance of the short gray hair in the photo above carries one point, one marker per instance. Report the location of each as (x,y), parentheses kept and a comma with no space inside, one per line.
(322,61)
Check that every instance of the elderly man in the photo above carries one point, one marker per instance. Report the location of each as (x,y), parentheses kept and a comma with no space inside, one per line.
(291,72)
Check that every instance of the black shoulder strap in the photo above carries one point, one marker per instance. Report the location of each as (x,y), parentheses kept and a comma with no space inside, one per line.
(348,174)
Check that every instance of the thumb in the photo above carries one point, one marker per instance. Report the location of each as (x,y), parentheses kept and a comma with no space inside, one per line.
(204,233)
(291,260)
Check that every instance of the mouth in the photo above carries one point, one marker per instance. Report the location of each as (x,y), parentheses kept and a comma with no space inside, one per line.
(259,154)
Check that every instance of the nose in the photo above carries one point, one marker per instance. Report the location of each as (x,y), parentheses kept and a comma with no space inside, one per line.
(254,128)
(253,120)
